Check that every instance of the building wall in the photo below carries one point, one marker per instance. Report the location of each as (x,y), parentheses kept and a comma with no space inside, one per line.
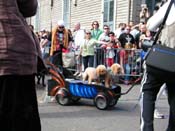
(135,11)
(122,11)
(85,12)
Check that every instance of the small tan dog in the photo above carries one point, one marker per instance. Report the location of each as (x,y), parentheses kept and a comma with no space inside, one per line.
(89,74)
(97,74)
(116,69)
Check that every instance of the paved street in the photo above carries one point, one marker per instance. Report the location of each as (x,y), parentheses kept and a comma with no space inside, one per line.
(85,116)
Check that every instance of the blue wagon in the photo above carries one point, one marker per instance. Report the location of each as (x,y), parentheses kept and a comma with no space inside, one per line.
(70,90)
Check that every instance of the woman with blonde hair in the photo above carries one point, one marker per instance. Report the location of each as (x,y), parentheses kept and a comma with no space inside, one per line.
(87,49)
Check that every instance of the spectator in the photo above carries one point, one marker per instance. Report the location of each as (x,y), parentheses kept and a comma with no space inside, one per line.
(144,14)
(142,31)
(95,31)
(87,49)
(135,30)
(114,44)
(44,43)
(104,37)
(78,35)
(127,43)
(18,58)
(126,39)
(145,36)
(60,43)
(120,30)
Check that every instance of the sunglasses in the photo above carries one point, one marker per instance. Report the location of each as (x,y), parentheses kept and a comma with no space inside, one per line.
(61,27)
(95,24)
(106,28)
(88,33)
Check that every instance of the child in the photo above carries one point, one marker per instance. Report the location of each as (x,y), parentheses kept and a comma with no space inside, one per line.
(111,50)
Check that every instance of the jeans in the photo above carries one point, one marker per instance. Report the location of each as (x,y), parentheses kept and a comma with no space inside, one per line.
(127,69)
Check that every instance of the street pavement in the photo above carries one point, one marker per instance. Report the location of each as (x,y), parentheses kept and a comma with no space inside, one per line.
(84,116)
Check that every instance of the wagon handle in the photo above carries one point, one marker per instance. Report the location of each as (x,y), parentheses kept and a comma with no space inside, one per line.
(138,79)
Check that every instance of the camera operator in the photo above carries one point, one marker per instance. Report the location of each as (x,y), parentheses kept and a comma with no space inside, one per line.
(152,83)
(144,14)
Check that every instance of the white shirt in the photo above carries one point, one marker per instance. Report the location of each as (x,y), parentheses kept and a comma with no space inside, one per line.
(118,32)
(154,22)
(79,37)
(104,37)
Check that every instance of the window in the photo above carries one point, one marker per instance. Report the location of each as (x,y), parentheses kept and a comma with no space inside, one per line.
(66,12)
(108,18)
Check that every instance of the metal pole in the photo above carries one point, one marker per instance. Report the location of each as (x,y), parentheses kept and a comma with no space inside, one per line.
(129,10)
(51,8)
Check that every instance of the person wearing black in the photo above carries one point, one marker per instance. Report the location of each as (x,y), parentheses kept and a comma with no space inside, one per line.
(142,31)
(125,55)
(19,50)
(152,83)
(126,38)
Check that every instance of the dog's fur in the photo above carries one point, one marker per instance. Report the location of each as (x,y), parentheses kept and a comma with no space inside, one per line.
(116,69)
(98,75)
(89,74)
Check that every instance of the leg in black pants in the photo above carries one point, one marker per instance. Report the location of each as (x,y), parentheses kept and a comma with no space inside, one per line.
(85,62)
(91,61)
(18,104)
(151,86)
(150,89)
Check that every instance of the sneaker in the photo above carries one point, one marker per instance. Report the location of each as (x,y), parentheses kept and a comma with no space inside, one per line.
(76,73)
(158,115)
(79,75)
(126,82)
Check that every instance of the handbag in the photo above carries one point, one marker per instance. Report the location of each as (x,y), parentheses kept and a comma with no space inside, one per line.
(68,59)
(160,59)
(147,44)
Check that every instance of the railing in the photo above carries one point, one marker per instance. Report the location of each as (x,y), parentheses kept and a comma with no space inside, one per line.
(129,59)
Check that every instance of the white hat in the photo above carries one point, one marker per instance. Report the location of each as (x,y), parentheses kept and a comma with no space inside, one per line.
(87,31)
(60,23)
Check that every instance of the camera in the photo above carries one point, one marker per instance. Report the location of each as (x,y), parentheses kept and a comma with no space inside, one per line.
(146,44)
(145,8)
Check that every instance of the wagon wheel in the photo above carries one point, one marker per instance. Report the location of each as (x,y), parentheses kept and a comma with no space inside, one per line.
(62,96)
(101,101)
(113,102)
(112,99)
(75,99)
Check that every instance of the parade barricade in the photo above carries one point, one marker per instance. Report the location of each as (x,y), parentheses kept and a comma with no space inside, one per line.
(129,59)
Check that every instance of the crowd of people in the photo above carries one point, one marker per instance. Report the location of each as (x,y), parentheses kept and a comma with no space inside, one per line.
(96,46)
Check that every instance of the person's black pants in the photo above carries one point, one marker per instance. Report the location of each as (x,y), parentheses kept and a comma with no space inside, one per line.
(57,58)
(18,104)
(88,61)
(100,56)
(150,87)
